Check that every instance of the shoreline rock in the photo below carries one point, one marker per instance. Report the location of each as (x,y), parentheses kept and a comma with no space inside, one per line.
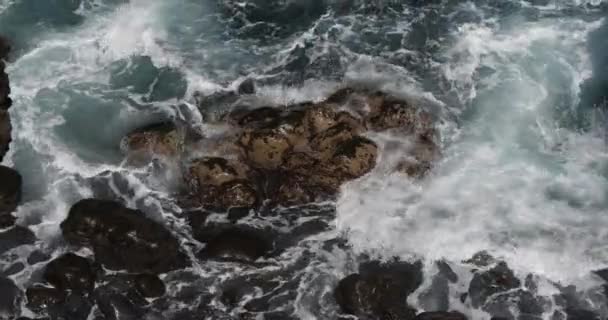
(5,100)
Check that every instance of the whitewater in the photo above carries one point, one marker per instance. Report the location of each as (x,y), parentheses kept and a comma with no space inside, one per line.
(518,88)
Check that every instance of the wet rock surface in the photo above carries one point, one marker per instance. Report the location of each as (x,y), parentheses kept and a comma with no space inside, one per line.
(10,298)
(10,190)
(155,140)
(122,238)
(70,272)
(439,315)
(379,291)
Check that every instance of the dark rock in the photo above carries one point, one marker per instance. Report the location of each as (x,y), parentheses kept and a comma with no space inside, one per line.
(13,269)
(237,245)
(246,87)
(7,221)
(70,272)
(10,298)
(15,237)
(481,259)
(580,314)
(115,306)
(487,283)
(446,271)
(37,256)
(122,238)
(5,132)
(10,190)
(440,315)
(40,298)
(149,286)
(5,48)
(75,306)
(380,290)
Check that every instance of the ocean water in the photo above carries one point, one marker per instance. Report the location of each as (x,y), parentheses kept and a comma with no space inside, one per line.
(519,88)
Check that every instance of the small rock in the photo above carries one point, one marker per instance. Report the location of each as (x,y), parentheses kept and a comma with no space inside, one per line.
(122,238)
(265,149)
(70,272)
(37,257)
(246,87)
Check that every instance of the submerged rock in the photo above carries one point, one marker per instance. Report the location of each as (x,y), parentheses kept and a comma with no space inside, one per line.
(15,237)
(237,245)
(122,238)
(10,190)
(149,285)
(70,272)
(380,291)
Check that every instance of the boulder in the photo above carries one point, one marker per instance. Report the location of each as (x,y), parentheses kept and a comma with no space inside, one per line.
(9,299)
(493,281)
(326,142)
(380,291)
(122,238)
(70,272)
(10,190)
(236,244)
(156,140)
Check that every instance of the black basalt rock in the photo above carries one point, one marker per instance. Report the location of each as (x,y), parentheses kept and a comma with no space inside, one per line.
(10,189)
(10,297)
(380,291)
(488,283)
(122,238)
(70,272)
(440,315)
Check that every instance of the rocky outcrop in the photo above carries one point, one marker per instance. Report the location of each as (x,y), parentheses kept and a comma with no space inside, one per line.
(122,238)
(286,155)
(379,291)
(70,272)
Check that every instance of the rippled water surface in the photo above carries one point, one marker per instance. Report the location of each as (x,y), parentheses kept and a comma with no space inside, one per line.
(519,88)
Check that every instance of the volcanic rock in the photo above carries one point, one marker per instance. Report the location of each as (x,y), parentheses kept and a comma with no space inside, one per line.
(380,291)
(122,238)
(159,139)
(10,190)
(488,283)
(70,272)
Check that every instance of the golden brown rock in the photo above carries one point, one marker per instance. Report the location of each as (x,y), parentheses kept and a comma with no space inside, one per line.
(355,157)
(325,142)
(216,171)
(237,193)
(160,139)
(264,149)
